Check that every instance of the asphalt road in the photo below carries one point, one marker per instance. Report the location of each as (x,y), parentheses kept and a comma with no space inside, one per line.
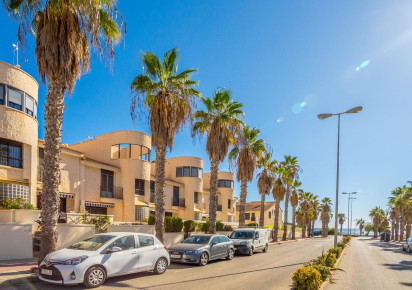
(371,264)
(271,270)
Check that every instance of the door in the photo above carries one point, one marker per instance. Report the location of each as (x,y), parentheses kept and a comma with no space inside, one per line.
(148,252)
(257,240)
(215,249)
(124,261)
(225,245)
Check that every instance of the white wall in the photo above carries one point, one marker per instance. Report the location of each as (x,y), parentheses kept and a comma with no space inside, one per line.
(146,229)
(173,238)
(69,234)
(16,241)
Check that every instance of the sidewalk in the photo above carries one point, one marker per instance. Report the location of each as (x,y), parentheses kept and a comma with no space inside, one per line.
(17,272)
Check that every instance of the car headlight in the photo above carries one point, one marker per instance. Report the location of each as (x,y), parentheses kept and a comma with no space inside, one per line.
(191,252)
(75,261)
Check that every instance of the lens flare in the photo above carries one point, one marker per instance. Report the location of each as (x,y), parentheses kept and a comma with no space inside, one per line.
(297,108)
(280,120)
(303,104)
(358,69)
(363,65)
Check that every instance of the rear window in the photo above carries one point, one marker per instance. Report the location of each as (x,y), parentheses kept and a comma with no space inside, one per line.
(145,241)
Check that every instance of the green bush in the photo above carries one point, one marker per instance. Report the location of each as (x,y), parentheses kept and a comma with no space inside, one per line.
(151,220)
(251,225)
(173,224)
(329,259)
(205,227)
(228,228)
(346,239)
(189,226)
(331,231)
(323,271)
(306,278)
(17,203)
(219,226)
(341,245)
(337,251)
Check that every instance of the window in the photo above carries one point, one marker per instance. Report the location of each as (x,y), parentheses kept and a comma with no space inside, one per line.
(141,213)
(253,217)
(229,203)
(15,98)
(223,239)
(106,188)
(30,103)
(175,196)
(256,235)
(196,198)
(215,240)
(152,191)
(14,191)
(225,183)
(96,210)
(11,153)
(270,215)
(187,171)
(124,243)
(139,186)
(130,151)
(1,94)
(145,241)
(247,216)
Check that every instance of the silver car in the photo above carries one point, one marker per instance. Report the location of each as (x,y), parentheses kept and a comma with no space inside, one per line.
(202,248)
(407,245)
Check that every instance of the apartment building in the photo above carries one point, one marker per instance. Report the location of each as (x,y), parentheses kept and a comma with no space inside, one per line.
(252,212)
(112,174)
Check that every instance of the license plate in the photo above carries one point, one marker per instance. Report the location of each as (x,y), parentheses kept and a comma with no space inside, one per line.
(175,256)
(46,272)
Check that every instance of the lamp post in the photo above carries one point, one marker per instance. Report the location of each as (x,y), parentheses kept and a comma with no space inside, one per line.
(324,116)
(349,216)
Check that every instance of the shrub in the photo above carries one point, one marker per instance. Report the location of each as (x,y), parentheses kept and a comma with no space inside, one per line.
(341,245)
(205,227)
(329,259)
(306,278)
(346,239)
(17,203)
(151,220)
(189,226)
(337,251)
(219,226)
(173,224)
(331,231)
(228,228)
(323,271)
(251,225)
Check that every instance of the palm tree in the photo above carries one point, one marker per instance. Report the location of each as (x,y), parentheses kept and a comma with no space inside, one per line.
(315,212)
(325,215)
(342,219)
(169,99)
(376,214)
(291,163)
(64,33)
(399,200)
(361,224)
(221,123)
(392,217)
(245,154)
(265,181)
(294,201)
(304,198)
(278,192)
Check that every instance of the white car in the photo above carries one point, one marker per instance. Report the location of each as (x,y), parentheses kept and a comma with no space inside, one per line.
(102,256)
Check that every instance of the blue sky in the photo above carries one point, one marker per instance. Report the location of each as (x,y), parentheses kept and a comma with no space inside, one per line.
(273,55)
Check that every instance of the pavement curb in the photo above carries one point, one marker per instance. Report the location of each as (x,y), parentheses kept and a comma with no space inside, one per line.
(327,282)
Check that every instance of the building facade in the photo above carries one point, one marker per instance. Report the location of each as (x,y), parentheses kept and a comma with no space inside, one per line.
(252,212)
(112,174)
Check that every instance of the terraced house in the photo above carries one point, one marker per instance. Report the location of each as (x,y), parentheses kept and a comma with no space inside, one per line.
(111,174)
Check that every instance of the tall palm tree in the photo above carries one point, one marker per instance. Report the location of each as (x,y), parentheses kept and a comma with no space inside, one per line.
(377,215)
(245,154)
(392,217)
(291,163)
(304,198)
(361,224)
(294,201)
(220,121)
(265,181)
(278,192)
(64,33)
(325,215)
(315,212)
(341,219)
(169,98)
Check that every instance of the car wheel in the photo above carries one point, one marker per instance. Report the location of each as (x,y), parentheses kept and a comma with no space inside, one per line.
(204,258)
(403,248)
(265,249)
(94,277)
(161,266)
(409,249)
(230,254)
(250,251)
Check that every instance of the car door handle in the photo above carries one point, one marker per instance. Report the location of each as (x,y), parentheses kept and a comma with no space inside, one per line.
(134,253)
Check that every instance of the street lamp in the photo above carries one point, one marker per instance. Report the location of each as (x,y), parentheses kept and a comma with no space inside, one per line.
(351,215)
(324,116)
(349,219)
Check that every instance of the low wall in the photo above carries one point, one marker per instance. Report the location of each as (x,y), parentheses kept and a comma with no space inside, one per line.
(145,229)
(6,215)
(173,238)
(19,215)
(16,241)
(69,234)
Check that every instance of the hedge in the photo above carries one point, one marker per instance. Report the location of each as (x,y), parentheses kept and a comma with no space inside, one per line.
(337,251)
(173,224)
(189,226)
(306,278)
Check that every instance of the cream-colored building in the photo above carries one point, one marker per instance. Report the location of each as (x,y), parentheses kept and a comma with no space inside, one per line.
(252,211)
(111,174)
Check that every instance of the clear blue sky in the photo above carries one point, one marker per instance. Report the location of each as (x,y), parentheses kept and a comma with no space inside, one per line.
(273,55)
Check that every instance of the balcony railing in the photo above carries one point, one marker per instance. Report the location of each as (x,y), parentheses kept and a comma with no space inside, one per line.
(181,202)
(111,192)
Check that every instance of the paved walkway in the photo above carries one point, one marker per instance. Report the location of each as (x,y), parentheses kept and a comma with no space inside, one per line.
(16,270)
(371,264)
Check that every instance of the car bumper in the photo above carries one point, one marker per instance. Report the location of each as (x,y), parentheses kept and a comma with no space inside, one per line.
(187,259)
(61,274)
(244,249)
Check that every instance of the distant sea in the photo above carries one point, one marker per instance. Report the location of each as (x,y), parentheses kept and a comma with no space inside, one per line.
(345,231)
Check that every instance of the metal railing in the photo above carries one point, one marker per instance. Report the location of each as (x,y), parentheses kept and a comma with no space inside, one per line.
(111,192)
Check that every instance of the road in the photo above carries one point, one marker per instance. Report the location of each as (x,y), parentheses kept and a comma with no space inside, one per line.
(271,270)
(370,264)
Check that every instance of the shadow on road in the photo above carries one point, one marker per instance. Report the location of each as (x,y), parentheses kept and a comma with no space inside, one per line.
(402,266)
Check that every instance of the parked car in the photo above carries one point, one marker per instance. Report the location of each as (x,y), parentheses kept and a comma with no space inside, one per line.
(407,245)
(250,240)
(93,260)
(200,249)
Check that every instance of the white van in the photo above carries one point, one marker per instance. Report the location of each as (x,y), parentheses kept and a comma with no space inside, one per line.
(250,240)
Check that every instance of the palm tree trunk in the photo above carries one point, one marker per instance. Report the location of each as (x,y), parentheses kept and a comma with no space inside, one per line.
(408,226)
(160,192)
(304,226)
(309,228)
(397,228)
(375,230)
(242,205)
(262,210)
(285,222)
(393,230)
(213,195)
(293,222)
(276,224)
(401,229)
(313,228)
(341,225)
(50,200)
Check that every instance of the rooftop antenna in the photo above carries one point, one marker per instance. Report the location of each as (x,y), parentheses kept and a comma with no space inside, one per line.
(16,49)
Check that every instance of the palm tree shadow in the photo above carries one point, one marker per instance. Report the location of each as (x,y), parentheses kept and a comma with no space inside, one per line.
(401,266)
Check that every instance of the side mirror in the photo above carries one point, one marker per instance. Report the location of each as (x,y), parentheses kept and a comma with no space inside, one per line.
(212,244)
(114,250)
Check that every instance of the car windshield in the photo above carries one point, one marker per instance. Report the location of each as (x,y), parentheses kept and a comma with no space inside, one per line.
(242,235)
(201,240)
(91,244)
